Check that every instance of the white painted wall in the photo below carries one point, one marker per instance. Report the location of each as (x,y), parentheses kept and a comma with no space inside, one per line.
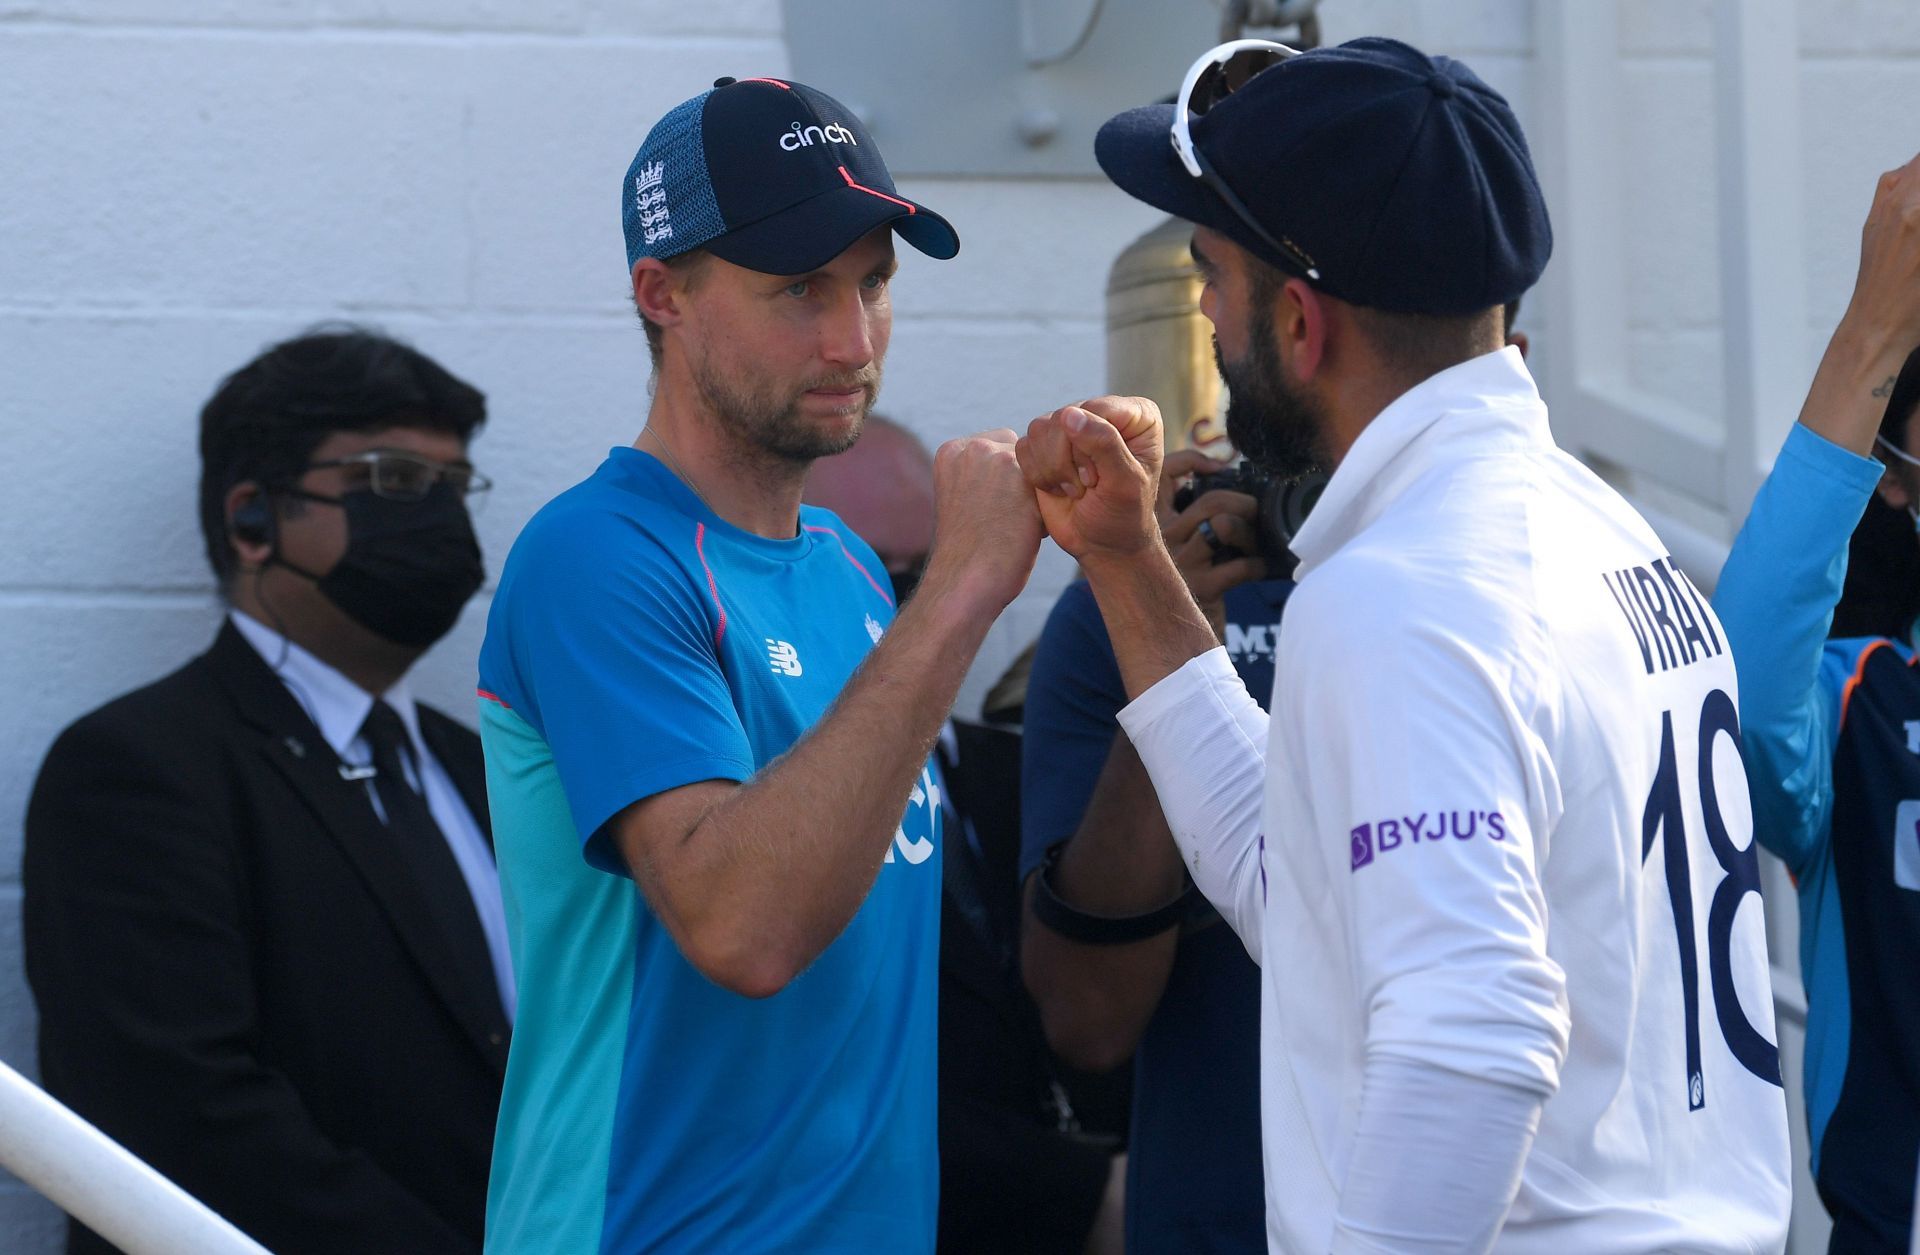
(185,181)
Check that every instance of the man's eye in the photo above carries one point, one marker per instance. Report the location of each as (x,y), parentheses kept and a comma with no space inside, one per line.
(874,282)
(797,289)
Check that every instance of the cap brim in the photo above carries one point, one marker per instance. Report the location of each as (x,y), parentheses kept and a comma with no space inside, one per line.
(1135,149)
(806,236)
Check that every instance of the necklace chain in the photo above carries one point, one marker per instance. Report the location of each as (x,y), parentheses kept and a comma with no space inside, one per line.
(685,478)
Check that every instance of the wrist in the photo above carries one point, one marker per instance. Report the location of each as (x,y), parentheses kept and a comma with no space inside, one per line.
(965,597)
(1868,345)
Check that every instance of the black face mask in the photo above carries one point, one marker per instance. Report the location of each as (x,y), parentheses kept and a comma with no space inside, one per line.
(409,566)
(904,582)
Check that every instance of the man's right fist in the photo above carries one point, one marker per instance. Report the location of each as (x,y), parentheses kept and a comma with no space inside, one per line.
(1095,468)
(1887,292)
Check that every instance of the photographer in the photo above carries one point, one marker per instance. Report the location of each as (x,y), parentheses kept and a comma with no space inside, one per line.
(1124,957)
(1476,1033)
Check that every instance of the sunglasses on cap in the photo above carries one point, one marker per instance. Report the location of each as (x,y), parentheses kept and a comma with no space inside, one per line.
(1215,76)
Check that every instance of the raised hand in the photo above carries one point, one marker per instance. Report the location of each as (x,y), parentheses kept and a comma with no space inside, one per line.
(986,530)
(1095,470)
(1886,293)
(1230,516)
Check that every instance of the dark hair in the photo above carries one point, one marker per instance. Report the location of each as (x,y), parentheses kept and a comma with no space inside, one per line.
(1512,314)
(267,418)
(1413,346)
(1881,596)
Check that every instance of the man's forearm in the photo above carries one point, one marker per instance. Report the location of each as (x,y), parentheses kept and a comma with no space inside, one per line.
(1096,1000)
(778,865)
(1151,617)
(1850,389)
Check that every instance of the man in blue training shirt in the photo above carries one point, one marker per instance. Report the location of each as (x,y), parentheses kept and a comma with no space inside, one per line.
(1831,732)
(676,687)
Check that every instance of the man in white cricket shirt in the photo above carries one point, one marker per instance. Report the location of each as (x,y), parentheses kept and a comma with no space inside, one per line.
(1493,850)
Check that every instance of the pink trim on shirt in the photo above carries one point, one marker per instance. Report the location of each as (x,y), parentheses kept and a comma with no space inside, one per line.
(713,587)
(884,594)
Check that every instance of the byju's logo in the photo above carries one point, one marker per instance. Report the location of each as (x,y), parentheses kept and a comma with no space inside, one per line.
(807,136)
(782,657)
(1370,841)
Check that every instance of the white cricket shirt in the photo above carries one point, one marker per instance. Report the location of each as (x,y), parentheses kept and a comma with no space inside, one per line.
(1504,724)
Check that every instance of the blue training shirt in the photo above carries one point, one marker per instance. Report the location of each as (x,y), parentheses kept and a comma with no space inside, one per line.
(1193,1155)
(1776,598)
(638,643)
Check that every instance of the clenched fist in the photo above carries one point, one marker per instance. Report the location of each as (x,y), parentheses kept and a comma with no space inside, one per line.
(1095,470)
(986,529)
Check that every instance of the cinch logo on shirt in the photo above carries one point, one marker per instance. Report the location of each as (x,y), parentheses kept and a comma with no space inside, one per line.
(782,657)
(926,794)
(1369,840)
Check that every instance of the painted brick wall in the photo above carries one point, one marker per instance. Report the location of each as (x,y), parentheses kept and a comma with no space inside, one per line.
(185,181)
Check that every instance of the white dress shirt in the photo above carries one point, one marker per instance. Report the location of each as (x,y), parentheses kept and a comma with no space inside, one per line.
(338,707)
(1490,690)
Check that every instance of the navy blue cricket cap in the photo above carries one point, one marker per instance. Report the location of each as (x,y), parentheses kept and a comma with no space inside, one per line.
(770,175)
(1403,178)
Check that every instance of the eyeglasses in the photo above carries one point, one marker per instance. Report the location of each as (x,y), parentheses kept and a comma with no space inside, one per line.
(405,476)
(1214,77)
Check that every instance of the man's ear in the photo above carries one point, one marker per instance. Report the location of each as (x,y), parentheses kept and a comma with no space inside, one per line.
(1300,321)
(250,523)
(657,291)
(1518,339)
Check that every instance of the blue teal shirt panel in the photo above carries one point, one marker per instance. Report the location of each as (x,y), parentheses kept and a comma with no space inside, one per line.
(606,638)
(1775,598)
(648,644)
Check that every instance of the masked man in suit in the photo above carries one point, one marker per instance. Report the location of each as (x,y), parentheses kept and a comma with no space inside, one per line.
(262,919)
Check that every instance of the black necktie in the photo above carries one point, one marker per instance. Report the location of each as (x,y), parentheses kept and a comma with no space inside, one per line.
(424,849)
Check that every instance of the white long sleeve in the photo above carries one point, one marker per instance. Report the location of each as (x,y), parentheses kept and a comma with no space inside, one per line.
(1436,1160)
(1203,739)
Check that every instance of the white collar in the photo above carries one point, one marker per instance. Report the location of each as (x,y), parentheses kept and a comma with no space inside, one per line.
(1390,451)
(336,704)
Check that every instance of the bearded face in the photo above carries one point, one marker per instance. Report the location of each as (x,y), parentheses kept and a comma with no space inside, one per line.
(1271,421)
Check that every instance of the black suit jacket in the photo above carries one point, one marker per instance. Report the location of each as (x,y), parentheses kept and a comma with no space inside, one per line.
(239,979)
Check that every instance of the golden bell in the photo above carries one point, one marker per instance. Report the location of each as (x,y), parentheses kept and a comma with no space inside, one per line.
(1159,345)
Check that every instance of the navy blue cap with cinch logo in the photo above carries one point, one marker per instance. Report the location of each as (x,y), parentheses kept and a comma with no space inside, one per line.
(770,175)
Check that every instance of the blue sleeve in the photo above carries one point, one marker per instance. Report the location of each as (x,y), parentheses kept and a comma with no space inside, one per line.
(614,658)
(1775,598)
(1073,699)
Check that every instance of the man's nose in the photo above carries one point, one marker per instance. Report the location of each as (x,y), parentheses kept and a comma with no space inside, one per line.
(847,334)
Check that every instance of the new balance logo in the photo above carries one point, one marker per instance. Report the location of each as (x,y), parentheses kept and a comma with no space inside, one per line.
(782,657)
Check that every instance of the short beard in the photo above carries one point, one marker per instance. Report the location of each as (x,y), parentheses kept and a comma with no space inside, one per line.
(768,423)
(1272,422)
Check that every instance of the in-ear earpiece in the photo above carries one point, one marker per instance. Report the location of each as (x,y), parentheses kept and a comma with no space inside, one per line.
(252,521)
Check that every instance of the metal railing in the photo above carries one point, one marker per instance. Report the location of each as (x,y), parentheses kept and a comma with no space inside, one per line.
(99,1182)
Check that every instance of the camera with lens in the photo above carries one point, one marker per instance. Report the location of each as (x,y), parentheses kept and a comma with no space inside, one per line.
(1283,507)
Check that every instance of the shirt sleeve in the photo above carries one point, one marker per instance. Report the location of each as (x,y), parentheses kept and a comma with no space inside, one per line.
(617,657)
(1775,598)
(1203,741)
(1073,696)
(1427,788)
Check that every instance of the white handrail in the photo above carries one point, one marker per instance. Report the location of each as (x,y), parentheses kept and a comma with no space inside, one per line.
(97,1180)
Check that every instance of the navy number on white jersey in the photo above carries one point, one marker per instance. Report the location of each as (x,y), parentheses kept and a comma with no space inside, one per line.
(1741,868)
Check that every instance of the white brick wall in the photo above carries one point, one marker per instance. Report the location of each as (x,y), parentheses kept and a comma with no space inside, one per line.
(185,181)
